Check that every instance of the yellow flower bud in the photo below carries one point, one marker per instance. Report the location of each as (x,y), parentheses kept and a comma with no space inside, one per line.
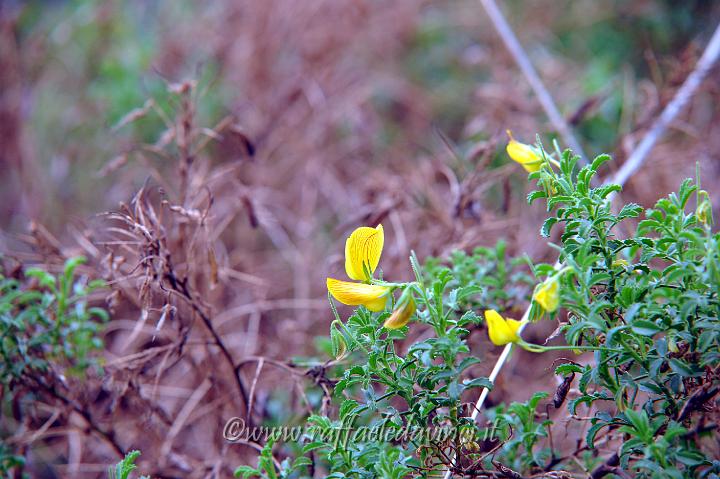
(501,330)
(337,340)
(467,439)
(547,294)
(623,263)
(524,154)
(401,315)
(704,208)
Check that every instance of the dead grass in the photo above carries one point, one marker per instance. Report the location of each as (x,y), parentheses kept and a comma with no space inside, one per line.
(218,256)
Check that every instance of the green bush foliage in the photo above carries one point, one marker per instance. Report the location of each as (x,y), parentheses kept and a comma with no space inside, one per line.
(47,331)
(645,303)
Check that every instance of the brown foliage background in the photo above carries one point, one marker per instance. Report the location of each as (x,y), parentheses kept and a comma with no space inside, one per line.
(288,125)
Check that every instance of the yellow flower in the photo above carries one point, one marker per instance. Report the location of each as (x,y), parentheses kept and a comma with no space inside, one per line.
(372,296)
(547,294)
(401,316)
(362,255)
(500,330)
(524,154)
(362,252)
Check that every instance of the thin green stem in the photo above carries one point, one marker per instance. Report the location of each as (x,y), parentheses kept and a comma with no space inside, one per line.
(536,348)
(379,282)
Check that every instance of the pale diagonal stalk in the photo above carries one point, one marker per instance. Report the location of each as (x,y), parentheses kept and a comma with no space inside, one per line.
(523,62)
(683,95)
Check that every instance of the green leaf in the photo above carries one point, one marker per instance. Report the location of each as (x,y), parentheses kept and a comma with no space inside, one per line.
(640,422)
(70,266)
(682,368)
(568,368)
(45,279)
(604,191)
(560,199)
(534,195)
(302,461)
(650,387)
(313,446)
(466,363)
(246,471)
(454,390)
(348,406)
(126,466)
(547,225)
(691,458)
(536,398)
(631,210)
(645,328)
(599,161)
(467,291)
(592,432)
(478,383)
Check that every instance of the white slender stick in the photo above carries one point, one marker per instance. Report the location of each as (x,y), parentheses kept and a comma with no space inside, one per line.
(522,60)
(636,159)
(500,362)
(693,81)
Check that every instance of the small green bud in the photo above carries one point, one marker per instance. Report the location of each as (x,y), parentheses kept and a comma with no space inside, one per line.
(339,345)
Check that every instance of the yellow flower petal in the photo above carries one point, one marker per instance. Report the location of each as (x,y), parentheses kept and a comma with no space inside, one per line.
(376,305)
(362,251)
(523,154)
(500,330)
(372,296)
(548,295)
(514,326)
(401,316)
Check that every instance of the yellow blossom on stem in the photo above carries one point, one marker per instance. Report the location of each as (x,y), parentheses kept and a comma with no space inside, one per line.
(504,331)
(524,154)
(501,330)
(547,294)
(363,249)
(372,296)
(401,315)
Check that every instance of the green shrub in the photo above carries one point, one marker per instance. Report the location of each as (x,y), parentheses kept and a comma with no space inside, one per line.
(646,305)
(48,335)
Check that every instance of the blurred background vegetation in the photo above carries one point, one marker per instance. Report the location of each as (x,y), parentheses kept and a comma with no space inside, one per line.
(342,113)
(77,67)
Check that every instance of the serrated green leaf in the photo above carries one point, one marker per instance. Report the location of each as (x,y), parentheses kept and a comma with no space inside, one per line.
(547,226)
